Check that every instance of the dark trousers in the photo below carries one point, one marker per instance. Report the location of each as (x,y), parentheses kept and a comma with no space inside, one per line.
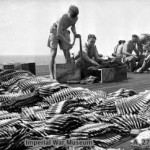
(131,62)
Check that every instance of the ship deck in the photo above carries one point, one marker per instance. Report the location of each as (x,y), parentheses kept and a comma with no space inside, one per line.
(136,82)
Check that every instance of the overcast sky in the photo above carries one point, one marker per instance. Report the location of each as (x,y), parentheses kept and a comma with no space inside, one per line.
(25,24)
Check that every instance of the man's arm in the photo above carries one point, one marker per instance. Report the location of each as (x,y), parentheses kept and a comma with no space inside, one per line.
(128,54)
(140,48)
(84,55)
(136,50)
(77,55)
(96,55)
(115,49)
(73,29)
(88,59)
(126,49)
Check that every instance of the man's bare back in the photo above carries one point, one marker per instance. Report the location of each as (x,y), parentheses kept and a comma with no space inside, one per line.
(65,22)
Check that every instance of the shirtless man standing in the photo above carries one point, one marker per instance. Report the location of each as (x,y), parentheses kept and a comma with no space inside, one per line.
(60,35)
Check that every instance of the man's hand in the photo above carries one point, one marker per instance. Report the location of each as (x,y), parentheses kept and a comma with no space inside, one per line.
(100,55)
(77,36)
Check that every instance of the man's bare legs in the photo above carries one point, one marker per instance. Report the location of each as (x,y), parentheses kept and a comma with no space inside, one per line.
(67,56)
(53,52)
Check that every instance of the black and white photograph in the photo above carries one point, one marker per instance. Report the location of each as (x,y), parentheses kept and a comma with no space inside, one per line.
(74,75)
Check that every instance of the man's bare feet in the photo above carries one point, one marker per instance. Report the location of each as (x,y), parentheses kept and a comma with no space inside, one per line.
(51,77)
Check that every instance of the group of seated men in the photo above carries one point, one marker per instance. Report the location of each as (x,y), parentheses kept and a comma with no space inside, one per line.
(135,52)
(137,62)
(91,57)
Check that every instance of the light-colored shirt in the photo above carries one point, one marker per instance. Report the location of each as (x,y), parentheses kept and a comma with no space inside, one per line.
(115,48)
(119,50)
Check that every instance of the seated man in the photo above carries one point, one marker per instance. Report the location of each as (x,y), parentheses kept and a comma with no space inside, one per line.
(90,56)
(144,39)
(128,48)
(118,50)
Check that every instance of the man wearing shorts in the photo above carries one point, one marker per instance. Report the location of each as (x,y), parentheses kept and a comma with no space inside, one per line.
(59,34)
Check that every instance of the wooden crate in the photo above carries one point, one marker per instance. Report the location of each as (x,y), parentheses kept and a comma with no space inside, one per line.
(113,74)
(32,68)
(67,72)
(25,66)
(8,66)
(29,67)
(17,66)
(109,74)
(21,66)
(120,73)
